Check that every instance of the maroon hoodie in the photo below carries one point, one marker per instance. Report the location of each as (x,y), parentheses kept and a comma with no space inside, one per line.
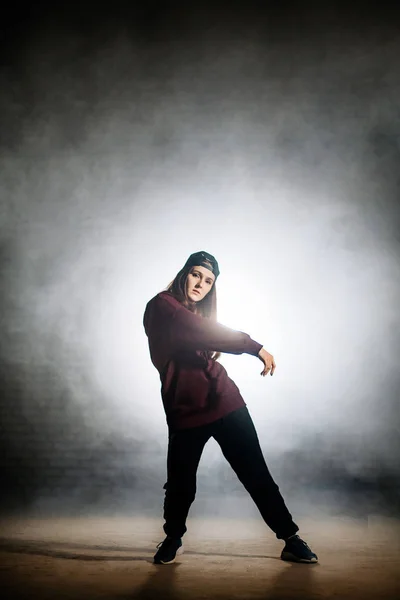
(195,389)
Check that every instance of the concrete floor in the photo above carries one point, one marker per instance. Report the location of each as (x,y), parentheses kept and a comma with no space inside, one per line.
(93,558)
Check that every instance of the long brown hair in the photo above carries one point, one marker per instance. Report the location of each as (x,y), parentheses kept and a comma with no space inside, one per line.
(206,308)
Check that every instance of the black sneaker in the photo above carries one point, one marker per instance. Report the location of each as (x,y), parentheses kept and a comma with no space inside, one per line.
(168,550)
(296,550)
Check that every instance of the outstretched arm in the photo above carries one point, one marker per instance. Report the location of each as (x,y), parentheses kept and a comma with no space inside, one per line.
(167,318)
(193,332)
(188,331)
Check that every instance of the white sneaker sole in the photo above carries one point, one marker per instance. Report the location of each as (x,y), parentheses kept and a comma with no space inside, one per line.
(292,558)
(178,552)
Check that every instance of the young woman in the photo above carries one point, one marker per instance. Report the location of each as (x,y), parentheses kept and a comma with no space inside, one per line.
(201,401)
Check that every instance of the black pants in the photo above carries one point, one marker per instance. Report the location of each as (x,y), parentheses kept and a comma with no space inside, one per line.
(239,443)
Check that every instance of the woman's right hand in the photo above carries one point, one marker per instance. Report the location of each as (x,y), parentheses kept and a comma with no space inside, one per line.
(268,360)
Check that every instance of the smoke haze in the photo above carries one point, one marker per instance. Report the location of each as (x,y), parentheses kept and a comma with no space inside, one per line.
(271,141)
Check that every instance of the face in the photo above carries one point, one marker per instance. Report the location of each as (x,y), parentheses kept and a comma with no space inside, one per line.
(198,283)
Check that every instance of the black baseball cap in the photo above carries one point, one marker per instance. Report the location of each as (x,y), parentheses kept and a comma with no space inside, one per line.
(203,259)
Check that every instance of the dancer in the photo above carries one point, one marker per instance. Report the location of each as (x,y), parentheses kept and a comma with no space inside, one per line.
(201,401)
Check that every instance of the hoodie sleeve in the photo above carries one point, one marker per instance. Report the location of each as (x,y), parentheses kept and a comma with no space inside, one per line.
(189,331)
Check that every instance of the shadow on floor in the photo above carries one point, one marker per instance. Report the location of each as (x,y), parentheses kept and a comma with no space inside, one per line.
(68,550)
